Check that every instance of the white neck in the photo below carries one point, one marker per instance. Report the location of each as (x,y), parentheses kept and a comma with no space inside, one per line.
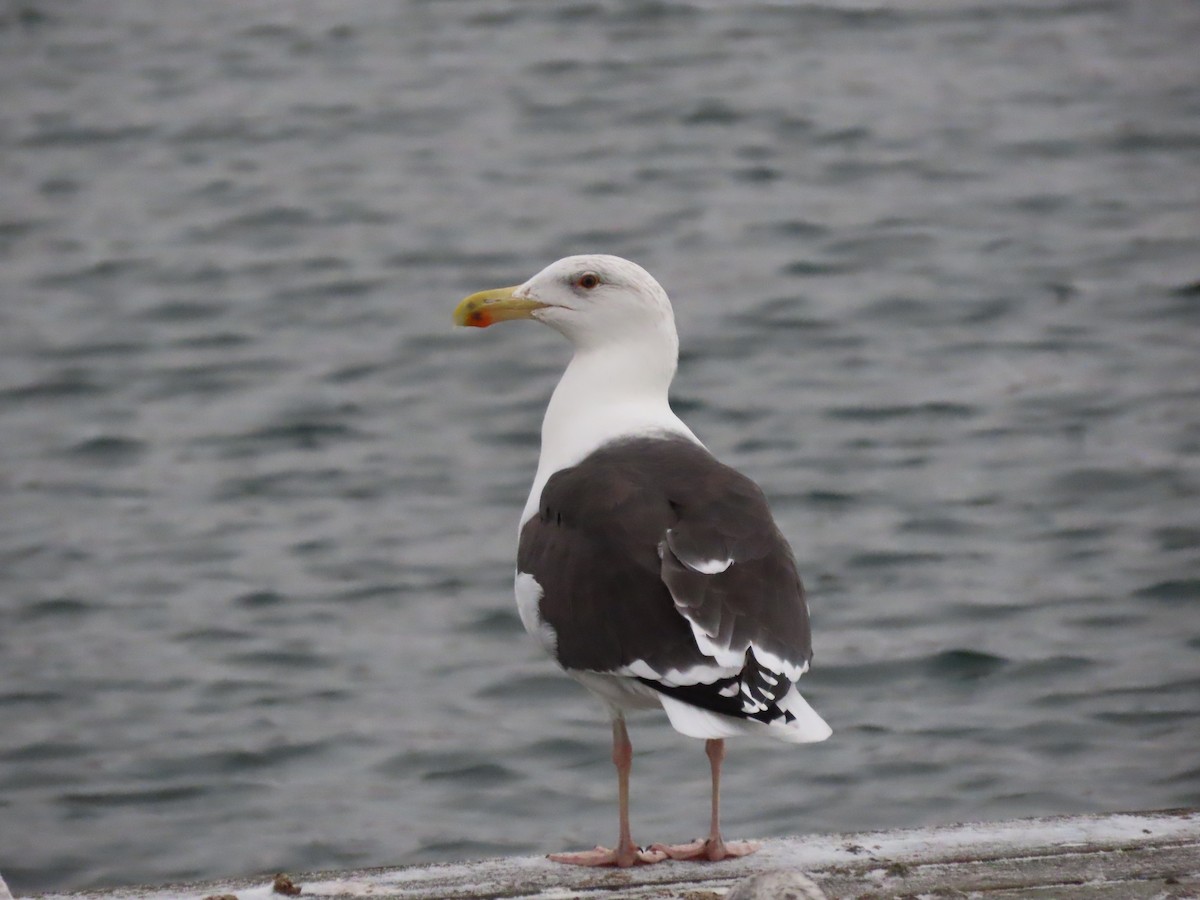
(607,392)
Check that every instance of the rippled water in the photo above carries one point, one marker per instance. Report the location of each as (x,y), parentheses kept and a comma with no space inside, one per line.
(937,272)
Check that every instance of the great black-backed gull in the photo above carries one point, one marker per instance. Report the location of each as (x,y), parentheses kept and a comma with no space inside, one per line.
(651,572)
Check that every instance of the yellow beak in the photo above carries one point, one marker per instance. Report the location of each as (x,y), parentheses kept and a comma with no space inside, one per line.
(488,307)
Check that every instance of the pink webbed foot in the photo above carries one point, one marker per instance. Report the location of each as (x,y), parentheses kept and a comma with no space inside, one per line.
(622,858)
(707,850)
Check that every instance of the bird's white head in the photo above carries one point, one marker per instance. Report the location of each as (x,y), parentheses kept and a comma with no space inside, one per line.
(594,300)
(626,348)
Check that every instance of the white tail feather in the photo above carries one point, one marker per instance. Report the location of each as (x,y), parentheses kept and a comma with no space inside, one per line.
(807,727)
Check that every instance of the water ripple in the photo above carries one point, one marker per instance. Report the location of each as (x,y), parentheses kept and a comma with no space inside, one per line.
(259,496)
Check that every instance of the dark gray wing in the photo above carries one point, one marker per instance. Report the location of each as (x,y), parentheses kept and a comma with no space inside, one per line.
(732,576)
(592,546)
(657,561)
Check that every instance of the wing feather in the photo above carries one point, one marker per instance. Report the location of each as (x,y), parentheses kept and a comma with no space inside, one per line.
(660,563)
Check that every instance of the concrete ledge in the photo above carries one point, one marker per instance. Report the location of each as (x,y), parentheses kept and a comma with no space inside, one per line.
(1126,855)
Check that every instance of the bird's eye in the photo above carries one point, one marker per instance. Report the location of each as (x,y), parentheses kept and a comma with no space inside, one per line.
(588,280)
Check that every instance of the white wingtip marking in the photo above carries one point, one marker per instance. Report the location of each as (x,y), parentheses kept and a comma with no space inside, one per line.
(709,566)
(778,664)
(698,674)
(709,647)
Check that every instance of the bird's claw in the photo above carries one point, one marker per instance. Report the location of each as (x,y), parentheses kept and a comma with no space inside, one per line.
(622,858)
(706,850)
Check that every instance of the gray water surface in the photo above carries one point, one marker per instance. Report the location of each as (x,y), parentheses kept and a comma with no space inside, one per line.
(936,267)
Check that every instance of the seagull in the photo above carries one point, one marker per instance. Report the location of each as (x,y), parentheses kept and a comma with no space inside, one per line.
(651,572)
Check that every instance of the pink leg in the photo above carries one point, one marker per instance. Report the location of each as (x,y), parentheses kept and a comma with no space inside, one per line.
(626,853)
(714,848)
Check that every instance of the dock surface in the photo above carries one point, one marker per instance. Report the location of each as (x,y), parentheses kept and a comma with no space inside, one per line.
(1123,856)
